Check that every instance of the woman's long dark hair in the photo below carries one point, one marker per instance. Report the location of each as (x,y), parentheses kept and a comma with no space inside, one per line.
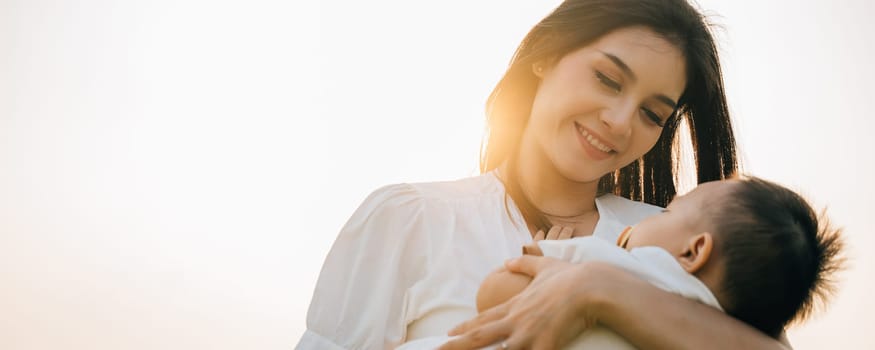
(577,23)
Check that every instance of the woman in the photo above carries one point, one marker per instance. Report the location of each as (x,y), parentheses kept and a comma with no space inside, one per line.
(582,130)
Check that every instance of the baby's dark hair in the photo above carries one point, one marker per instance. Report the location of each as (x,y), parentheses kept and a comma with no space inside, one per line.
(778,255)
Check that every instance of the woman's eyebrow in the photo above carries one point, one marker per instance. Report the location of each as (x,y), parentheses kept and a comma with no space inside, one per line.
(667,101)
(622,65)
(628,71)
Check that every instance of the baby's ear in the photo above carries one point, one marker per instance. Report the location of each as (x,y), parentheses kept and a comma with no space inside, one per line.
(697,252)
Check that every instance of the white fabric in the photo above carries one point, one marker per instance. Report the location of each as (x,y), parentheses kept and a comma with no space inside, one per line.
(652,264)
(408,263)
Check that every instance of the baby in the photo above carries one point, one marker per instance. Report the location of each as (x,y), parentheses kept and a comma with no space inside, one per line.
(747,246)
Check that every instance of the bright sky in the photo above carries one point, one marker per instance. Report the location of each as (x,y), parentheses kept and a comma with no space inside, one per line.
(175,171)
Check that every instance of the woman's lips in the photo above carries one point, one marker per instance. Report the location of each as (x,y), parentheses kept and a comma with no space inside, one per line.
(594,145)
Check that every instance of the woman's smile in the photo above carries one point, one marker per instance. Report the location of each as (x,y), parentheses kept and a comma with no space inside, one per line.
(593,144)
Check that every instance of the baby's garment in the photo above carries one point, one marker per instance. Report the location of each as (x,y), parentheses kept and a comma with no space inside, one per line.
(652,264)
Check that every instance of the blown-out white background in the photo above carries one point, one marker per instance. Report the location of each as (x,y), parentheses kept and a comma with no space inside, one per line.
(172,173)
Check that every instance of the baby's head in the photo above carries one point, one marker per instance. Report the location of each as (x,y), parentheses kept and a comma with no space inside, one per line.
(758,246)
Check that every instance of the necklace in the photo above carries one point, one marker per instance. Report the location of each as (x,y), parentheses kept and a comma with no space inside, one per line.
(581,220)
(584,215)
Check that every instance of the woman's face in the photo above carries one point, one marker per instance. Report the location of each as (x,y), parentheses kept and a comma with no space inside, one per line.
(601,107)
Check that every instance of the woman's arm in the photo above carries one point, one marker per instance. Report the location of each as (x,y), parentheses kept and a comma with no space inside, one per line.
(380,253)
(651,318)
(564,299)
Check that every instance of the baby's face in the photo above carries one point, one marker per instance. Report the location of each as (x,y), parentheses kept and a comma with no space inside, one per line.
(680,221)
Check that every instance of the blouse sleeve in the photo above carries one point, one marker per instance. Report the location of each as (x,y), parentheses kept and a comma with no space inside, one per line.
(360,300)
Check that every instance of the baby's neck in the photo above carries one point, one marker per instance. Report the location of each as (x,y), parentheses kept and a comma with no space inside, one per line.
(712,276)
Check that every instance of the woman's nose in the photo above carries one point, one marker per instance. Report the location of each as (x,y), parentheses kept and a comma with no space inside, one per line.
(618,119)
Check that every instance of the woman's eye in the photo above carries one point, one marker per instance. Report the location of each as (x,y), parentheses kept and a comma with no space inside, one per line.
(608,82)
(656,119)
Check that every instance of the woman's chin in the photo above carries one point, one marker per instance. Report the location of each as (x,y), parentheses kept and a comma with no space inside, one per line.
(583,177)
(574,168)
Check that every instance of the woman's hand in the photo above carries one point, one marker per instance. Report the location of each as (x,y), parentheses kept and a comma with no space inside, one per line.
(556,233)
(550,313)
(565,299)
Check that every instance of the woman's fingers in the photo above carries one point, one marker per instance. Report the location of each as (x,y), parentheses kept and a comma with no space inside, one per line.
(532,249)
(558,232)
(566,232)
(495,313)
(554,232)
(539,236)
(556,334)
(544,343)
(546,315)
(528,265)
(479,337)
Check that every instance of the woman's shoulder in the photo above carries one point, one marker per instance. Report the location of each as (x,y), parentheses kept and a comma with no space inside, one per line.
(625,210)
(473,187)
(419,207)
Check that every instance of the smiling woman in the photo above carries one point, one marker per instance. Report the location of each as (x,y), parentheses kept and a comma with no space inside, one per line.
(582,133)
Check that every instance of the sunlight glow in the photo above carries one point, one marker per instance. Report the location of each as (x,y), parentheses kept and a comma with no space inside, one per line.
(176,171)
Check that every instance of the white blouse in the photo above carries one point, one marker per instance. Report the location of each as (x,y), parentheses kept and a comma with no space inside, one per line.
(408,263)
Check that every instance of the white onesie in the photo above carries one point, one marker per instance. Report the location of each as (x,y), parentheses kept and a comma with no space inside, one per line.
(652,264)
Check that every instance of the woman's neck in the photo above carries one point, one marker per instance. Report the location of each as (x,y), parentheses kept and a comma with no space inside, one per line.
(551,192)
